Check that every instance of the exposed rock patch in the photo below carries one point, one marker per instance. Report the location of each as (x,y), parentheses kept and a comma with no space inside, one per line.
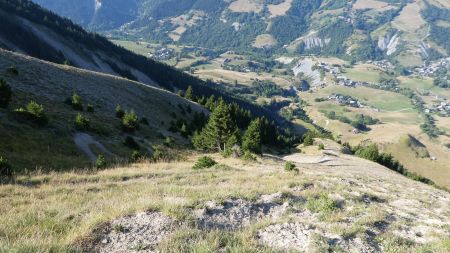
(287,236)
(304,238)
(138,233)
(237,213)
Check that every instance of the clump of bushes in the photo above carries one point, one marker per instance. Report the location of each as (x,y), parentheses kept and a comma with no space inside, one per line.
(100,163)
(308,138)
(130,121)
(82,123)
(161,154)
(321,146)
(5,168)
(136,156)
(204,162)
(33,112)
(5,93)
(321,204)
(290,167)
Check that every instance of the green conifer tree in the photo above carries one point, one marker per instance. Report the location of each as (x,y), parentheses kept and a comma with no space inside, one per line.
(219,129)
(189,94)
(252,137)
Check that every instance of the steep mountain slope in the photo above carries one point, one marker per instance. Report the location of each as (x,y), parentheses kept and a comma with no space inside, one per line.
(405,31)
(60,144)
(35,31)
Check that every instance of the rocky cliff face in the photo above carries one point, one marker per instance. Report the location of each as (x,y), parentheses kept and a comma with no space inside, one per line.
(389,43)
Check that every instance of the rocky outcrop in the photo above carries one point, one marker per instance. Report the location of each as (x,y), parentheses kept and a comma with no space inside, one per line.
(389,43)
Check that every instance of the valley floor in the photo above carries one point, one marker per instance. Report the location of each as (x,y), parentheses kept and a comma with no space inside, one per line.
(335,203)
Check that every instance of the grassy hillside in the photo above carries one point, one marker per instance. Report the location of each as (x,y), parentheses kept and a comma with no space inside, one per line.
(53,146)
(40,33)
(335,203)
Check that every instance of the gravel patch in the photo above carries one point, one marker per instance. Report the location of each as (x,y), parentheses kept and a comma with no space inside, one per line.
(138,233)
(238,213)
(287,236)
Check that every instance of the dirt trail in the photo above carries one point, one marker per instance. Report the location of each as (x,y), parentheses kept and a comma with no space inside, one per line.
(83,142)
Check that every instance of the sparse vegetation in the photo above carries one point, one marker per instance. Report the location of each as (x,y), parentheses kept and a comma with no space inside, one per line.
(204,162)
(321,204)
(5,168)
(100,163)
(5,93)
(119,112)
(33,112)
(290,167)
(82,123)
(136,156)
(76,102)
(130,121)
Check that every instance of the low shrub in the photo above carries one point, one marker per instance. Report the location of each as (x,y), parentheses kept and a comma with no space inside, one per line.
(76,102)
(321,146)
(33,112)
(204,162)
(290,167)
(119,112)
(130,121)
(308,139)
(5,168)
(82,123)
(100,163)
(248,156)
(161,154)
(321,204)
(136,156)
(169,141)
(5,93)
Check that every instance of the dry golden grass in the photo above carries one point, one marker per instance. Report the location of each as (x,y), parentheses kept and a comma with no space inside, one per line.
(409,19)
(371,4)
(264,40)
(279,9)
(53,212)
(246,6)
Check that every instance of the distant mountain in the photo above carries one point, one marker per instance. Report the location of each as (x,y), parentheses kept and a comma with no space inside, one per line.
(407,31)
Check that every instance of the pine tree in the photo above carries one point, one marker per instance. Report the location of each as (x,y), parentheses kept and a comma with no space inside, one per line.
(219,129)
(252,137)
(210,103)
(184,131)
(189,94)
